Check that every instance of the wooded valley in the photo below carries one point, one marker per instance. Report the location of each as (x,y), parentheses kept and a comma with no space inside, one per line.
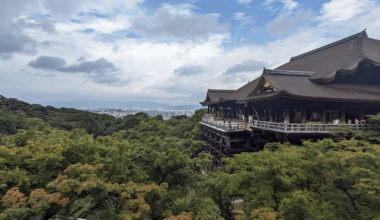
(61,163)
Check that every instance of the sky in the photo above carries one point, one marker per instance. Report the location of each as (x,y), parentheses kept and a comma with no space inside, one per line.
(161,51)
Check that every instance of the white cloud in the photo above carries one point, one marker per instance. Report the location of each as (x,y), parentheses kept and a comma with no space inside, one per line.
(284,23)
(165,24)
(288,6)
(238,16)
(244,1)
(340,10)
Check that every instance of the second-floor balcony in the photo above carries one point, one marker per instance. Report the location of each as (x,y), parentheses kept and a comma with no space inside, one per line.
(237,125)
(301,128)
(225,125)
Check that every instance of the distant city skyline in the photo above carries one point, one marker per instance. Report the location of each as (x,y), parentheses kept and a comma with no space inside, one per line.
(161,51)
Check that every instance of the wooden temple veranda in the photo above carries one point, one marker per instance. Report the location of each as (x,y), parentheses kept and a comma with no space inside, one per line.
(332,86)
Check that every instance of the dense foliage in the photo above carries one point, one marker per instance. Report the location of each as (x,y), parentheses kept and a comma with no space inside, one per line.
(15,114)
(148,168)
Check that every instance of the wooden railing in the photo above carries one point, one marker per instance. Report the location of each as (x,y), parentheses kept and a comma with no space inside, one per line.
(226,126)
(207,115)
(302,128)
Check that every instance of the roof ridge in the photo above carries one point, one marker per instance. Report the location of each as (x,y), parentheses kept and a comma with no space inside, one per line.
(220,90)
(288,72)
(358,35)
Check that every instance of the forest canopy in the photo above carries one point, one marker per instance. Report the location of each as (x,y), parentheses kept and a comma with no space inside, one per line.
(142,167)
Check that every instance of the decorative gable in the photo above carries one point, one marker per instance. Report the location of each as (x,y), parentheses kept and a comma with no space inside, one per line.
(265,88)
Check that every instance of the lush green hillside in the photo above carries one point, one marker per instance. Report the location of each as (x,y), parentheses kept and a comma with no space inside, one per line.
(152,169)
(15,114)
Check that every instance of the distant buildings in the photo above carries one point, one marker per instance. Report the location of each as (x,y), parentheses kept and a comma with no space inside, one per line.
(120,113)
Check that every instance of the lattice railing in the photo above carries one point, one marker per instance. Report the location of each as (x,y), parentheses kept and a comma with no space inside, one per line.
(225,126)
(302,128)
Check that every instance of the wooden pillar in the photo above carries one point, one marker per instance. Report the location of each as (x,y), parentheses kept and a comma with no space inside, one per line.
(246,112)
(362,115)
(208,109)
(271,114)
(266,115)
(221,147)
(258,112)
(303,121)
(228,143)
(286,118)
(342,116)
(323,116)
(258,143)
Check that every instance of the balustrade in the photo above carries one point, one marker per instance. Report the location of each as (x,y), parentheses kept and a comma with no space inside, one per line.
(302,128)
(225,126)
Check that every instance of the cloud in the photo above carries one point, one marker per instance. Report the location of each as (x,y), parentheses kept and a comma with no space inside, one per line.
(46,75)
(64,10)
(15,41)
(46,44)
(99,71)
(12,9)
(284,24)
(47,63)
(188,70)
(166,24)
(98,66)
(81,59)
(244,20)
(340,10)
(244,1)
(246,66)
(238,16)
(43,25)
(288,6)
(14,37)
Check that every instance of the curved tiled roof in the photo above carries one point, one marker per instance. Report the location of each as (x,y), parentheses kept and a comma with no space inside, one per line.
(216,96)
(341,55)
(244,90)
(323,74)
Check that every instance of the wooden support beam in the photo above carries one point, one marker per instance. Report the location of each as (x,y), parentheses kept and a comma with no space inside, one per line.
(271,114)
(238,139)
(287,117)
(362,115)
(324,116)
(304,115)
(342,116)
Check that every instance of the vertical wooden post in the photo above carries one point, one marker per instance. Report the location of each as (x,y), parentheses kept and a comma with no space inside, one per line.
(221,147)
(362,115)
(287,114)
(208,109)
(266,117)
(303,116)
(247,110)
(228,143)
(342,116)
(324,115)
(271,113)
(258,143)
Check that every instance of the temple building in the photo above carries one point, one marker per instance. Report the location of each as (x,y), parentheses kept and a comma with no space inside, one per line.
(331,86)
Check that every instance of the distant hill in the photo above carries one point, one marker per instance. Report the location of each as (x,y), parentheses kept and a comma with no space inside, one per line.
(114,104)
